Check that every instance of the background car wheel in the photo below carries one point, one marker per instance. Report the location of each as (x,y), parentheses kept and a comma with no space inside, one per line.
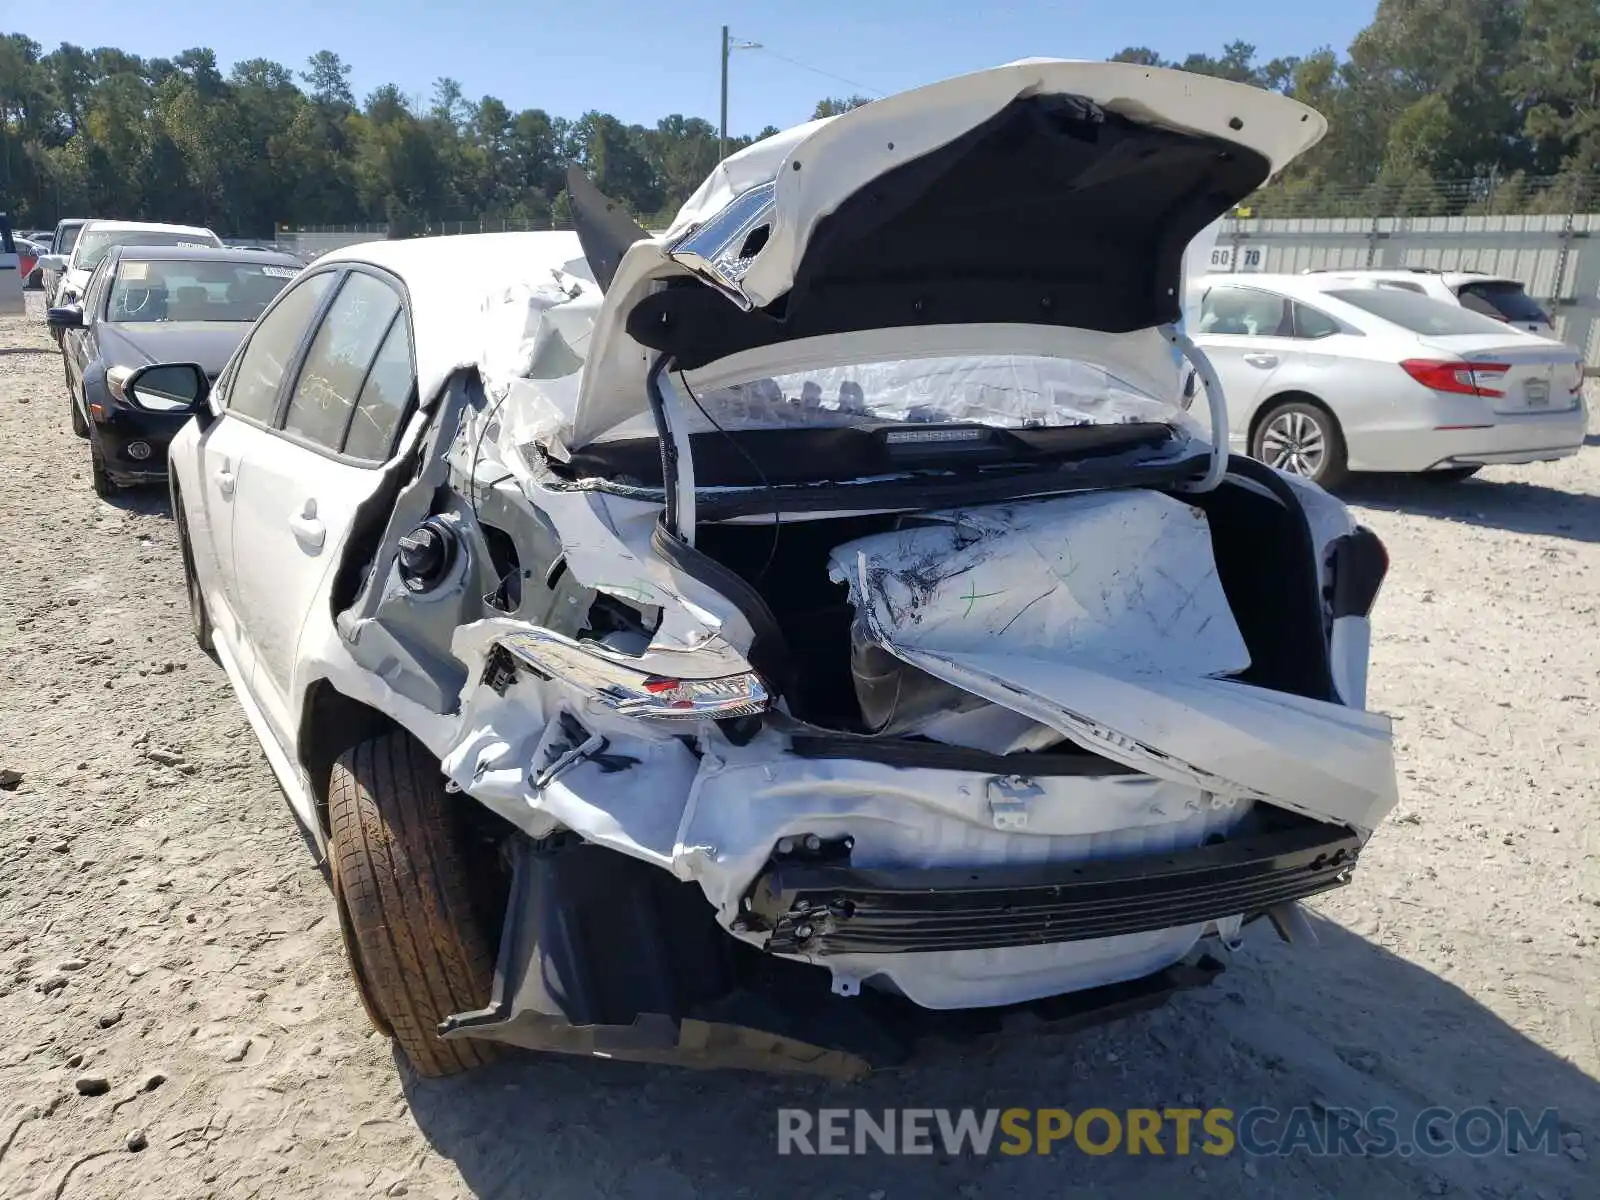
(102,482)
(1303,439)
(1451,474)
(419,949)
(199,617)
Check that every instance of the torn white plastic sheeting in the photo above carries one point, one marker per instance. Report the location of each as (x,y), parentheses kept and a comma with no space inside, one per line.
(1124,579)
(1008,391)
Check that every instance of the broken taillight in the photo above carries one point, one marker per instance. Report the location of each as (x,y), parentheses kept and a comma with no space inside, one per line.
(619,681)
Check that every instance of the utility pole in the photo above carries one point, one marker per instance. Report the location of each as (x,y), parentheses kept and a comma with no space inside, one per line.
(722,130)
(728,46)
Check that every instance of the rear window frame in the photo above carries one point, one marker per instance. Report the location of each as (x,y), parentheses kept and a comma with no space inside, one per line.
(1476,288)
(1392,301)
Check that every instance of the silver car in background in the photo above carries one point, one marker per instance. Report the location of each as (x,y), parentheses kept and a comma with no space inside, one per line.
(1324,377)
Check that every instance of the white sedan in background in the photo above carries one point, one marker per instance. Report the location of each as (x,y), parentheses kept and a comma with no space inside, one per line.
(1324,377)
(96,237)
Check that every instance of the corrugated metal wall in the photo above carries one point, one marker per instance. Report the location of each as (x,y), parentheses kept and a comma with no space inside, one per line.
(1557,258)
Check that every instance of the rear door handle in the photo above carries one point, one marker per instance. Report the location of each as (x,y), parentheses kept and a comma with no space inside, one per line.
(308,529)
(1261,360)
(224,475)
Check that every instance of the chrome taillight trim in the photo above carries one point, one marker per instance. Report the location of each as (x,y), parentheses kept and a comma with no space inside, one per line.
(713,250)
(634,691)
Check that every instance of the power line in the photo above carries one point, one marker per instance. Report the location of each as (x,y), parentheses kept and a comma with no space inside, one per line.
(794,62)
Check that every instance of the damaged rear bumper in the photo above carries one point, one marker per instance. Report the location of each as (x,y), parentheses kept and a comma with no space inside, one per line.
(603,955)
(820,904)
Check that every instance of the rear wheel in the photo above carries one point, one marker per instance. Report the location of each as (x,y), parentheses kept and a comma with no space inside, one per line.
(418,947)
(199,615)
(1451,474)
(1303,439)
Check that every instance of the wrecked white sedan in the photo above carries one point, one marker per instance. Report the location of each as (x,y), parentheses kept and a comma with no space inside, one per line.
(815,628)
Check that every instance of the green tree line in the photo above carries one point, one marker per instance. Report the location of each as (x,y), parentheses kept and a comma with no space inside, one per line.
(1437,106)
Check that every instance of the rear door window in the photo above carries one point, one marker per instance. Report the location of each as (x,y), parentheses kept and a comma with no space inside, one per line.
(1504,300)
(337,364)
(1245,312)
(385,397)
(272,348)
(1309,323)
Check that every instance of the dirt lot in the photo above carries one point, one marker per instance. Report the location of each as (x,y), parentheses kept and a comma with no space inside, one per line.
(163,928)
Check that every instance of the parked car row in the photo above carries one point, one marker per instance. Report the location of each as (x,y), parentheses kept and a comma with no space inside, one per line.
(145,302)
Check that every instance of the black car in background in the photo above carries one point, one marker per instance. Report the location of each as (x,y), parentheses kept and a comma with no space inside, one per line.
(148,304)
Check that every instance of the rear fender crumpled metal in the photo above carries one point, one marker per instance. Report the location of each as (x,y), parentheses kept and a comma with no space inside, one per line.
(1102,616)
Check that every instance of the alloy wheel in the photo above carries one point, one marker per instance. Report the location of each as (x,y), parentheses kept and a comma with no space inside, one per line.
(1294,442)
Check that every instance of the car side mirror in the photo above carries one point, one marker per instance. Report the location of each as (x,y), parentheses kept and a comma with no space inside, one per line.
(53,262)
(168,388)
(68,316)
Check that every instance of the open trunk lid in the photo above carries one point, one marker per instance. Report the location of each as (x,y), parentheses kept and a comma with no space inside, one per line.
(1029,200)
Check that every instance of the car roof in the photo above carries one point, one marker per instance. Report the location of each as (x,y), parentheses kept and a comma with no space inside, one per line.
(1312,283)
(449,279)
(146,227)
(1289,285)
(1452,276)
(205,254)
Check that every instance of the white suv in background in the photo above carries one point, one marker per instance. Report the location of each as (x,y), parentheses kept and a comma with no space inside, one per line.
(1497,296)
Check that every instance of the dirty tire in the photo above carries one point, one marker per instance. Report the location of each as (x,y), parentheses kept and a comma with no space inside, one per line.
(419,953)
(199,616)
(98,478)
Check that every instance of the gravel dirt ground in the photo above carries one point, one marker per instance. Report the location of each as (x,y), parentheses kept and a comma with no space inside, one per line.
(168,946)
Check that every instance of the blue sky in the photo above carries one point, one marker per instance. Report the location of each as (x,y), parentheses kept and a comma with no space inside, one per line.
(643,60)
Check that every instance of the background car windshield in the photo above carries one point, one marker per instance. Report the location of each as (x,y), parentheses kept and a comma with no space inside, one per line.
(1008,391)
(1502,299)
(179,290)
(1419,314)
(96,242)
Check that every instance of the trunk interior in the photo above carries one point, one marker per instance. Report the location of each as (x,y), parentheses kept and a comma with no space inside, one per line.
(1264,560)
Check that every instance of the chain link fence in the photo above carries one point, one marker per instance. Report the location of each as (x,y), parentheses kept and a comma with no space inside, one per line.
(1491,196)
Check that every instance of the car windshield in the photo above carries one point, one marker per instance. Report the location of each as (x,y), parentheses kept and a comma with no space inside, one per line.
(1503,299)
(190,290)
(1419,314)
(1005,391)
(93,245)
